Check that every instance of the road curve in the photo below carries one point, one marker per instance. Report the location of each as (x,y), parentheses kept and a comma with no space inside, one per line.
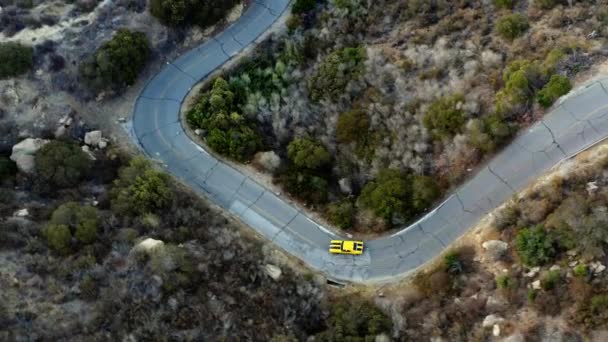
(577,122)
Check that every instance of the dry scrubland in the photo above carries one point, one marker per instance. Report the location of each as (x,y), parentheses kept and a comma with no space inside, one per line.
(534,270)
(360,102)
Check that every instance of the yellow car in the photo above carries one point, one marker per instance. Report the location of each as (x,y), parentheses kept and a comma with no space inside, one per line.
(346,247)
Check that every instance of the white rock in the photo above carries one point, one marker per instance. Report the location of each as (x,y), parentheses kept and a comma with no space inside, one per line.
(23,153)
(345,186)
(198,132)
(60,131)
(517,337)
(536,284)
(382,338)
(599,268)
(88,151)
(21,213)
(491,320)
(273,271)
(591,187)
(555,268)
(496,330)
(573,263)
(532,273)
(495,249)
(148,245)
(102,144)
(93,138)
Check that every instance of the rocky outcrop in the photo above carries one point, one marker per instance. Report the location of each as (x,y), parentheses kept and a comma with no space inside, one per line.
(95,139)
(23,153)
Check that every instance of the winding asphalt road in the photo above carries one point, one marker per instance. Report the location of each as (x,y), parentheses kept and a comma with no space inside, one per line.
(577,122)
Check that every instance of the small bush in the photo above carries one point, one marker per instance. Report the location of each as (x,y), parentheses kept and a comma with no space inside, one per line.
(550,280)
(535,246)
(504,4)
(352,321)
(303,6)
(445,117)
(599,304)
(306,185)
(511,26)
(58,237)
(424,193)
(186,12)
(118,62)
(352,126)
(452,263)
(581,271)
(504,282)
(15,59)
(558,85)
(140,189)
(329,81)
(7,168)
(387,196)
(308,153)
(61,164)
(82,220)
(341,214)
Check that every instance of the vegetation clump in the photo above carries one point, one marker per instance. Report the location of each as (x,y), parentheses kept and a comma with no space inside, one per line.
(557,86)
(445,117)
(329,81)
(61,164)
(15,59)
(355,321)
(511,26)
(118,62)
(535,246)
(187,12)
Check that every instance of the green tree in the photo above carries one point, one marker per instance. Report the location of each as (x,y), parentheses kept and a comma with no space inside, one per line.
(303,6)
(522,78)
(352,125)
(308,153)
(355,321)
(424,193)
(190,12)
(83,220)
(58,236)
(140,189)
(330,79)
(228,132)
(61,164)
(387,196)
(118,62)
(558,85)
(341,213)
(7,168)
(15,59)
(535,246)
(511,26)
(504,4)
(445,117)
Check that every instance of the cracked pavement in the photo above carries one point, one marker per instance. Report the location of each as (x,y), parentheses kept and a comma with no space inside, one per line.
(575,123)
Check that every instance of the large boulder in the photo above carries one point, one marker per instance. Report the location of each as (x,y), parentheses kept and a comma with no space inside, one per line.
(24,152)
(148,246)
(93,138)
(273,271)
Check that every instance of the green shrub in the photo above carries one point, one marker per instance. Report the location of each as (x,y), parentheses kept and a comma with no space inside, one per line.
(302,6)
(548,4)
(489,132)
(188,12)
(330,79)
(228,132)
(558,85)
(581,271)
(445,117)
(504,4)
(387,196)
(140,189)
(118,62)
(7,168)
(83,220)
(424,193)
(535,246)
(452,263)
(15,59)
(341,214)
(511,26)
(550,280)
(522,78)
(505,282)
(599,304)
(351,126)
(355,321)
(306,185)
(61,164)
(58,237)
(308,153)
